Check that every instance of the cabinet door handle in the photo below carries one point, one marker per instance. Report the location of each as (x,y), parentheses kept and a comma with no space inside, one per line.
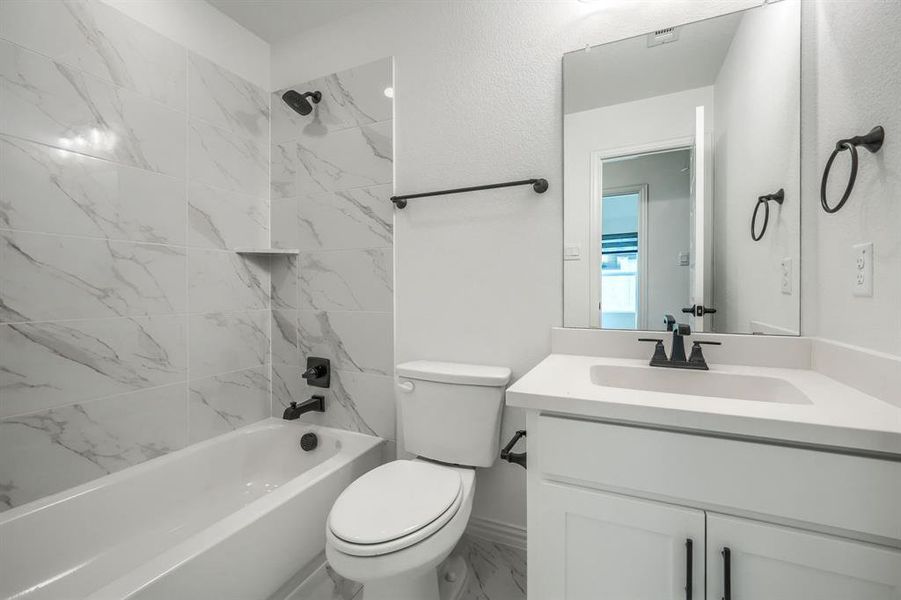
(727,573)
(688,552)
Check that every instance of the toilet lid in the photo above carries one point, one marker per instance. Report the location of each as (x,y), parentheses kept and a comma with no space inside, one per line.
(394,501)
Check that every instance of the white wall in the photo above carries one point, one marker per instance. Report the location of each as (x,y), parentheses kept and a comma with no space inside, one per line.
(606,129)
(669,201)
(757,149)
(205,30)
(851,83)
(478,100)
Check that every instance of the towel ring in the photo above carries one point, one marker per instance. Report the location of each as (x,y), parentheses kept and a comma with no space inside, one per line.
(871,141)
(779,198)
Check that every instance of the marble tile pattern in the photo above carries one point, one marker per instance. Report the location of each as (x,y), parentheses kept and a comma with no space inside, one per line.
(331,179)
(496,572)
(130,169)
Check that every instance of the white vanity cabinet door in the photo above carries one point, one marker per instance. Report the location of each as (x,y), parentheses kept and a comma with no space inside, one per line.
(768,562)
(598,546)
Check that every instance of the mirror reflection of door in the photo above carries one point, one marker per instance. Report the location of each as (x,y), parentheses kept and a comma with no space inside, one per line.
(623,233)
(645,237)
(725,92)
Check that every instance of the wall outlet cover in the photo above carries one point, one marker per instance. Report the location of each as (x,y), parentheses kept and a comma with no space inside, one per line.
(862,284)
(786,275)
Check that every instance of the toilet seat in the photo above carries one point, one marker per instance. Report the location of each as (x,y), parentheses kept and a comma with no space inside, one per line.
(393,507)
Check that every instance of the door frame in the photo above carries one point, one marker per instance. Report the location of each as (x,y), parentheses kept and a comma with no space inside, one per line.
(596,187)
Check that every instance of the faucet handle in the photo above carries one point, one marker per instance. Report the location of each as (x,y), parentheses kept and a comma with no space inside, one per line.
(659,351)
(697,355)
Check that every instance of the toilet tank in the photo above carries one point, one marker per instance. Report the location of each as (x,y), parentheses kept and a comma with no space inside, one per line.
(451,412)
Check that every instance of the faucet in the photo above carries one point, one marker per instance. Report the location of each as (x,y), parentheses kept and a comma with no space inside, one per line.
(677,354)
(677,359)
(316,403)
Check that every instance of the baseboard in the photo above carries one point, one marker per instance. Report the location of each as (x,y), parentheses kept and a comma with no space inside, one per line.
(497,532)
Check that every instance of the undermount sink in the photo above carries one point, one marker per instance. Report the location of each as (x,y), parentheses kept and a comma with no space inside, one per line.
(698,383)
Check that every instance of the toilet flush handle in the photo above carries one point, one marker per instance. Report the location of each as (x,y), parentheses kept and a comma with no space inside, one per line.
(405,386)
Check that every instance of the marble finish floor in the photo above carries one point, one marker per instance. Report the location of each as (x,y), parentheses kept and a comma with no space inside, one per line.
(497,572)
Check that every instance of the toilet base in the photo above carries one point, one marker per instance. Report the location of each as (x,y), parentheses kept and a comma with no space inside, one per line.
(453,575)
(423,586)
(445,583)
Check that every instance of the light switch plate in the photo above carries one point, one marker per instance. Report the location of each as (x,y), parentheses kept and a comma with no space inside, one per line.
(786,275)
(572,252)
(863,270)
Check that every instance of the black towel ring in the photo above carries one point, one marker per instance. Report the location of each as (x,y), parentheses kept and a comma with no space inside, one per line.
(779,198)
(871,141)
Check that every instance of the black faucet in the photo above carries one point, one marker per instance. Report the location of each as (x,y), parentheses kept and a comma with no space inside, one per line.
(677,358)
(316,403)
(677,354)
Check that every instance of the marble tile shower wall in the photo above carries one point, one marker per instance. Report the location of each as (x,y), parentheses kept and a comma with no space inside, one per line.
(129,167)
(332,176)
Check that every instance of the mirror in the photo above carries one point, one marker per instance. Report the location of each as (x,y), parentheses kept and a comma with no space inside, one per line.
(673,142)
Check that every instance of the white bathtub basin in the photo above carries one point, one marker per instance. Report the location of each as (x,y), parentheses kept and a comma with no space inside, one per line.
(231,518)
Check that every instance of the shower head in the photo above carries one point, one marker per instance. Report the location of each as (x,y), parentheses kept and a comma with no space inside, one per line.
(298,101)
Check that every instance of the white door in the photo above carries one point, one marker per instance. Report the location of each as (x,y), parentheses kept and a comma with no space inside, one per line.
(599,546)
(768,562)
(699,224)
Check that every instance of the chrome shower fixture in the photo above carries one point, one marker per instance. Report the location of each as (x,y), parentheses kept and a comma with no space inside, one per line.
(299,102)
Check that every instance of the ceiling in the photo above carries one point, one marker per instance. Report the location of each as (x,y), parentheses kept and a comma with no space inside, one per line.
(629,70)
(278,20)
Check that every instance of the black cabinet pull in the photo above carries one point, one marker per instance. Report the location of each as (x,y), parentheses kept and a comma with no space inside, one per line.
(688,551)
(727,573)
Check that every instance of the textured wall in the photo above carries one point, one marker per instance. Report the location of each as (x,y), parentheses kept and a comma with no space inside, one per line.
(478,100)
(851,83)
(332,174)
(129,166)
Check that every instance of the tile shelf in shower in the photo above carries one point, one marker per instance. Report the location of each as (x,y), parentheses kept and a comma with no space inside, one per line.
(268,251)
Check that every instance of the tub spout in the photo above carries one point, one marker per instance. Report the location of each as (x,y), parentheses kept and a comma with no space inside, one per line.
(316,403)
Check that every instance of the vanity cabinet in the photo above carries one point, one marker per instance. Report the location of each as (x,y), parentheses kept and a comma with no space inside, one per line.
(612,506)
(598,545)
(776,563)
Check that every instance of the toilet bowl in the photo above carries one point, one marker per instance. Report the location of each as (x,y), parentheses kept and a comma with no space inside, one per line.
(391,528)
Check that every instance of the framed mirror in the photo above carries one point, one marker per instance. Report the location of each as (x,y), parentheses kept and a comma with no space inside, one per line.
(682,177)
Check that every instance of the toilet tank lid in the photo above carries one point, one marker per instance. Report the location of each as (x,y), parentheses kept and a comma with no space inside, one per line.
(459,373)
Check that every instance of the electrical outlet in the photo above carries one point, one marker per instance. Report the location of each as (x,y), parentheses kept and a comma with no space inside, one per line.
(863,269)
(787,276)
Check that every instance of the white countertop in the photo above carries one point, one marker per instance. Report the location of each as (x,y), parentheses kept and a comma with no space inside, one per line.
(839,416)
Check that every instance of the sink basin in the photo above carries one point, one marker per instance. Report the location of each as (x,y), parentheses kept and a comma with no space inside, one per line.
(698,383)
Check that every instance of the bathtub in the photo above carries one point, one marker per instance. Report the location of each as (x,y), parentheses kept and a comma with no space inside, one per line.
(230,518)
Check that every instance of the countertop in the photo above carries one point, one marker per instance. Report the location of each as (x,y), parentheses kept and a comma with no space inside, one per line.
(839,417)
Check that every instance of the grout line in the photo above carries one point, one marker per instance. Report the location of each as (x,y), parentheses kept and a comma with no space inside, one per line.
(181,382)
(187,267)
(230,312)
(173,384)
(104,80)
(91,238)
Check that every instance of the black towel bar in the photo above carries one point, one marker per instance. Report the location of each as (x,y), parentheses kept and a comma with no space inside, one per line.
(539,185)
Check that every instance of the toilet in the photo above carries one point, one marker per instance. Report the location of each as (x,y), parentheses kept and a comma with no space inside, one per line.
(392,528)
